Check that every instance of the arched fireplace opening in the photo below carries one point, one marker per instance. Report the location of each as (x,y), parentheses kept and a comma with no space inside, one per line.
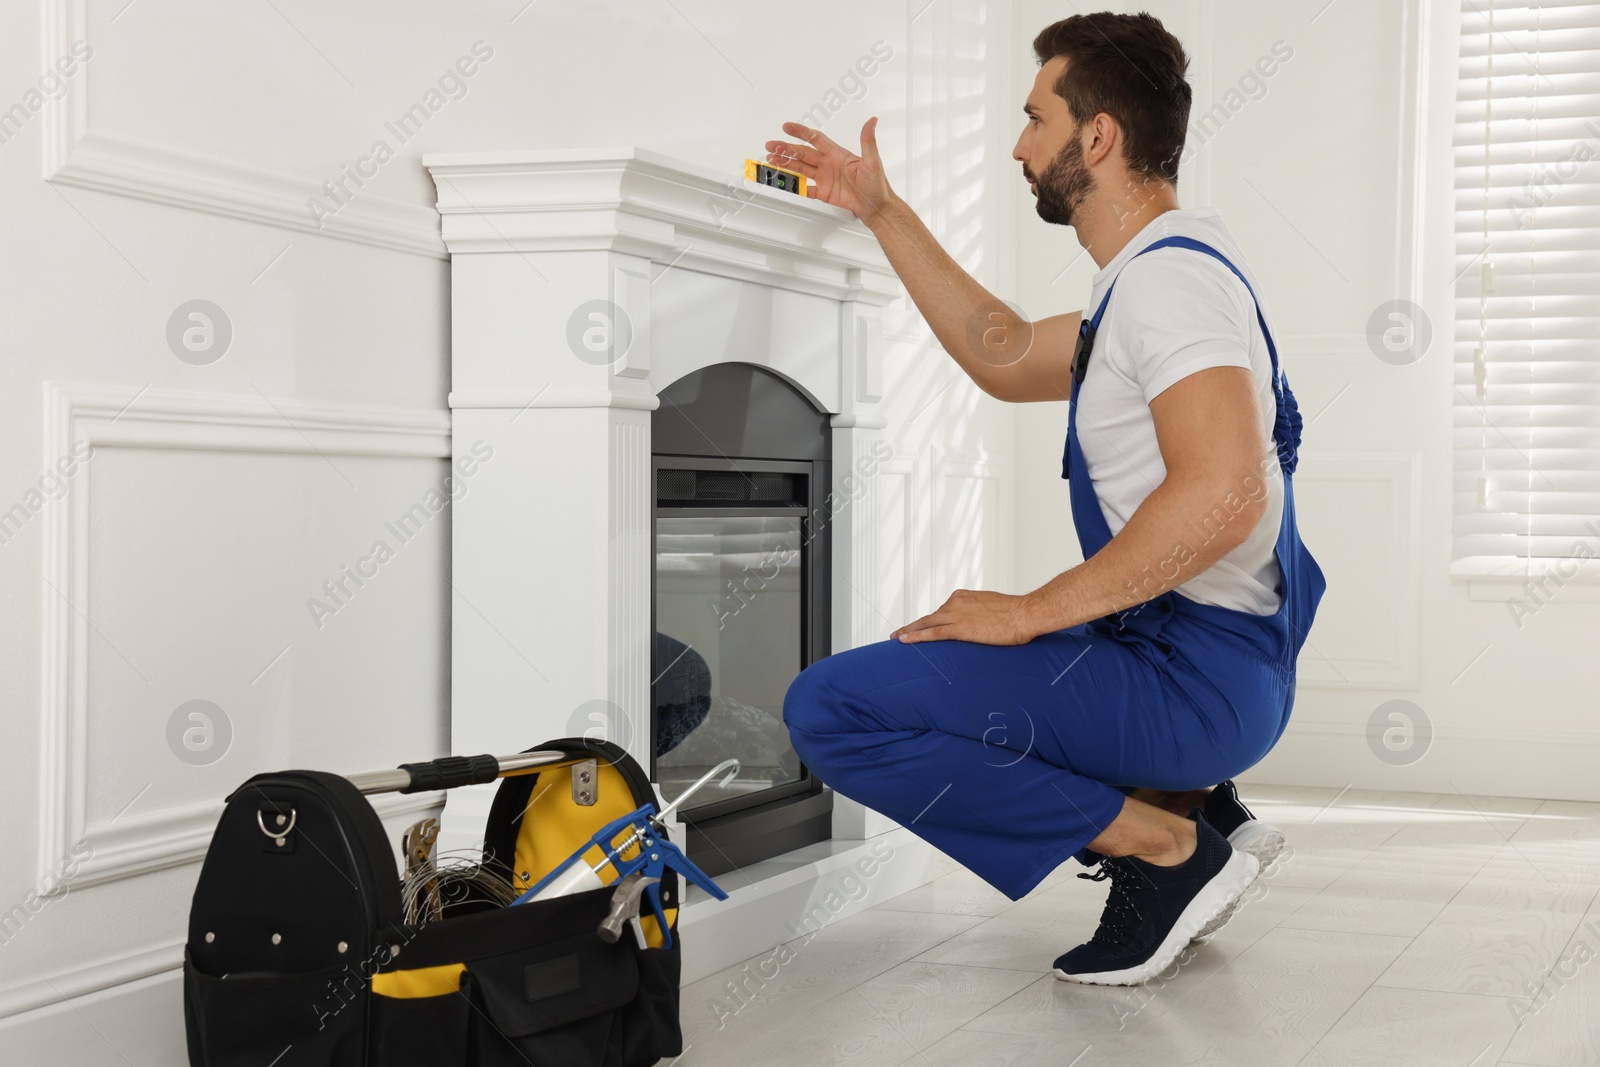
(740,604)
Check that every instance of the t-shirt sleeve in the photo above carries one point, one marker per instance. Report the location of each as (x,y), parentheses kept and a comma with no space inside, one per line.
(1179,313)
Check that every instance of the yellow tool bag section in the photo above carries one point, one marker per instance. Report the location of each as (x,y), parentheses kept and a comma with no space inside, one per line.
(309,947)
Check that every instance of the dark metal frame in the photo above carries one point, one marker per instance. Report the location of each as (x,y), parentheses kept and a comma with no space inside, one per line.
(760,420)
(815,598)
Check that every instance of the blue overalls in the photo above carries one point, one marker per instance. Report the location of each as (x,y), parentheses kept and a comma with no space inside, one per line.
(1010,758)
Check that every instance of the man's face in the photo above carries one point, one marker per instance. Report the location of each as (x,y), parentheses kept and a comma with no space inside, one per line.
(1050,150)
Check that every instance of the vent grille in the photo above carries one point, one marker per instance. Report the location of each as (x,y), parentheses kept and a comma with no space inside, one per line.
(688,488)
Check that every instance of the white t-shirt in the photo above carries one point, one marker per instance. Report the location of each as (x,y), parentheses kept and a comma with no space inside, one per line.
(1175,312)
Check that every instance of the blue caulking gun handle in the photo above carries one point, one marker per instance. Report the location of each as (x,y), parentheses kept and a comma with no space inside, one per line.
(602,837)
(671,856)
(653,862)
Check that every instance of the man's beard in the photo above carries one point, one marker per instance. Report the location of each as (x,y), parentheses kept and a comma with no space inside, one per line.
(1064,185)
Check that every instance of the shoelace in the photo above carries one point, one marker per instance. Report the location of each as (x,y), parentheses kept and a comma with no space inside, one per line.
(1120,918)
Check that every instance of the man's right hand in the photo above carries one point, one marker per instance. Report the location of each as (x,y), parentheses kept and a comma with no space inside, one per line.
(855,183)
(1008,357)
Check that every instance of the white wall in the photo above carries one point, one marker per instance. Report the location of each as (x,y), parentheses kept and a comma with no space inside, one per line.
(220,497)
(1336,181)
(179,562)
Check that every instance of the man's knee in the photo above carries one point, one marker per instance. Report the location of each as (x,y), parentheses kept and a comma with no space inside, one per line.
(811,704)
(834,694)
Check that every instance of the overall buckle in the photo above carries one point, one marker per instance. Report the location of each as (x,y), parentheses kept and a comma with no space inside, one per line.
(1081,351)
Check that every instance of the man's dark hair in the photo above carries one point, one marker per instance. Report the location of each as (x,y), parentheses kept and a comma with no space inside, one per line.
(1131,68)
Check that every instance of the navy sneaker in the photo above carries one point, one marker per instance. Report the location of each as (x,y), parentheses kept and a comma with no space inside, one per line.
(1152,912)
(1227,813)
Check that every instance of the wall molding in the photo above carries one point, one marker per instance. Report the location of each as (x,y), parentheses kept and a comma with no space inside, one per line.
(163,174)
(159,959)
(521,400)
(1401,473)
(109,416)
(992,482)
(179,835)
(1481,735)
(1498,762)
(81,981)
(1416,18)
(630,569)
(905,465)
(855,562)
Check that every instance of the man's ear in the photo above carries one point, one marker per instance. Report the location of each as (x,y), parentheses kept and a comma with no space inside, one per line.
(1104,136)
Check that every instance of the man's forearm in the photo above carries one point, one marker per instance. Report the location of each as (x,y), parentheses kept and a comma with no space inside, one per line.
(1161,547)
(972,324)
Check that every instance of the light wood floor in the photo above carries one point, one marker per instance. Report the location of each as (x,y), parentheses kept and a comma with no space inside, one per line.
(1402,929)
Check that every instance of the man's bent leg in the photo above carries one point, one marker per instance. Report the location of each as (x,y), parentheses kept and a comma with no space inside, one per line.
(1149,833)
(963,744)
(1178,803)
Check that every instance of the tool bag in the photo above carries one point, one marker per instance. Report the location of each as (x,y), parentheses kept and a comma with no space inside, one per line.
(298,954)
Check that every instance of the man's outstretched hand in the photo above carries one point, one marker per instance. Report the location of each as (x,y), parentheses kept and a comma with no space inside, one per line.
(855,183)
(977,615)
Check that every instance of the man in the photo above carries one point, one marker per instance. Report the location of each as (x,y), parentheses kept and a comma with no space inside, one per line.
(1087,718)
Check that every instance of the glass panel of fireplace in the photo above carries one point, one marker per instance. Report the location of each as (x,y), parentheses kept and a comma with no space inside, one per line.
(739,602)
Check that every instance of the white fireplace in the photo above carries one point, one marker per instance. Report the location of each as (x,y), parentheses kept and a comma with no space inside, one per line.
(584,282)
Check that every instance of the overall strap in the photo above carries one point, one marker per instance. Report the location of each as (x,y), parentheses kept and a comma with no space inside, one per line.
(1287,426)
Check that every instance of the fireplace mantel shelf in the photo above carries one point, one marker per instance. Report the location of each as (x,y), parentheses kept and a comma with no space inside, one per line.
(670,211)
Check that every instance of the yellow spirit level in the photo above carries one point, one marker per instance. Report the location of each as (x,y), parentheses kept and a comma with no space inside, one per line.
(777,177)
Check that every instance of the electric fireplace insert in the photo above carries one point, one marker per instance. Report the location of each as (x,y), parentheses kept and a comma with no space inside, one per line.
(740,605)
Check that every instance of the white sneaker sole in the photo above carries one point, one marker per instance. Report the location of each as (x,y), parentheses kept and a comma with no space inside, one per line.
(1263,841)
(1215,897)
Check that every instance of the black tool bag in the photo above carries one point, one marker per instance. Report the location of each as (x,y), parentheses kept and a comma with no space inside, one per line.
(298,955)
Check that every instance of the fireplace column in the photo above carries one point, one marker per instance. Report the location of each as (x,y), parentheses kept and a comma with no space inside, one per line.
(860,447)
(550,553)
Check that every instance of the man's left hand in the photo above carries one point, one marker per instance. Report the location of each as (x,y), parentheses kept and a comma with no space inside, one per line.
(978,615)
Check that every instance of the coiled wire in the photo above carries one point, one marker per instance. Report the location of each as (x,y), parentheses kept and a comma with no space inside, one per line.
(453,877)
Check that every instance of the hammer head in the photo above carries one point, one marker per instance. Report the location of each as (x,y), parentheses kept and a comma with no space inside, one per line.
(624,905)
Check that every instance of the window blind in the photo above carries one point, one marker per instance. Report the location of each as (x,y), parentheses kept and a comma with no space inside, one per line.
(1527,294)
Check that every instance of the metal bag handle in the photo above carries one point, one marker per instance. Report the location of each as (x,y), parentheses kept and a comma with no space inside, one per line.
(448,772)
